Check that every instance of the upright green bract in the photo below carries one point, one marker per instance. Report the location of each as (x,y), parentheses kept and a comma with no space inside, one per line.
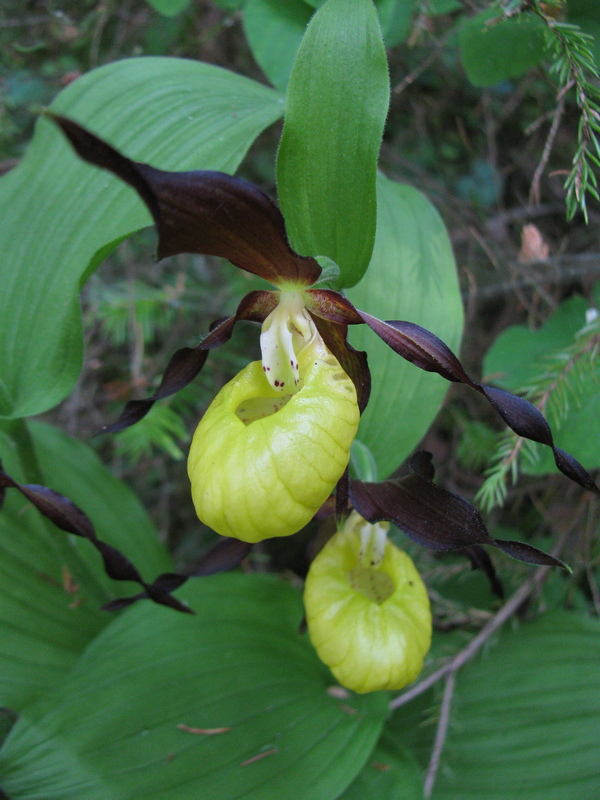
(337,102)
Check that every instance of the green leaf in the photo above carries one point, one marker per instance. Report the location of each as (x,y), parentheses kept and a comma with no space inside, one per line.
(230,5)
(391,774)
(337,102)
(169,8)
(59,213)
(112,730)
(519,356)
(274,30)
(525,719)
(52,584)
(413,277)
(494,49)
(395,17)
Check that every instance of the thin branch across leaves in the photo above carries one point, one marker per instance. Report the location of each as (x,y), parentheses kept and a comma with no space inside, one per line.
(216,214)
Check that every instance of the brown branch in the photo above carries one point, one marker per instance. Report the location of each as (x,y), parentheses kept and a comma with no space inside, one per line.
(534,192)
(440,735)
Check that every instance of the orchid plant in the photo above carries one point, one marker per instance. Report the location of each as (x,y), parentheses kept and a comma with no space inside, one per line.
(226,698)
(275,442)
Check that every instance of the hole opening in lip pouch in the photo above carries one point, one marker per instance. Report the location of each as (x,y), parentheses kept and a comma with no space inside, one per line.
(260,407)
(375,584)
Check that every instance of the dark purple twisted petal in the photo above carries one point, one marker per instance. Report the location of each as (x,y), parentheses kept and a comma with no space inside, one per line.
(331,305)
(434,517)
(425,350)
(61,511)
(226,554)
(203,212)
(186,363)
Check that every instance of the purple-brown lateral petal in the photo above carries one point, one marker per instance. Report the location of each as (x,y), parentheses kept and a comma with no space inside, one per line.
(204,212)
(425,350)
(333,306)
(434,517)
(186,363)
(225,555)
(70,518)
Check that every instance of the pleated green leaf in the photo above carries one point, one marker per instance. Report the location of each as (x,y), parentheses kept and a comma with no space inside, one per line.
(391,773)
(61,216)
(51,584)
(412,277)
(337,102)
(229,703)
(525,718)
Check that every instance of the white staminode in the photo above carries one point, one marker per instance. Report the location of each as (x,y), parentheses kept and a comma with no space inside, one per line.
(372,543)
(286,330)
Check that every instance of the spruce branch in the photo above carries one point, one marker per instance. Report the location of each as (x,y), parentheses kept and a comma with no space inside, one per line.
(574,67)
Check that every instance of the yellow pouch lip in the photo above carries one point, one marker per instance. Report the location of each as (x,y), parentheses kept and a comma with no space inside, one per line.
(368,645)
(268,478)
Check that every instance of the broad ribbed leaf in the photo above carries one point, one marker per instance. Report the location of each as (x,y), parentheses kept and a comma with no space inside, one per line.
(337,101)
(59,213)
(51,584)
(524,716)
(412,276)
(525,719)
(391,773)
(230,703)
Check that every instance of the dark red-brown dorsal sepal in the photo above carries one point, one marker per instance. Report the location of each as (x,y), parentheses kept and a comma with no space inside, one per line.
(434,517)
(186,363)
(425,350)
(61,511)
(203,212)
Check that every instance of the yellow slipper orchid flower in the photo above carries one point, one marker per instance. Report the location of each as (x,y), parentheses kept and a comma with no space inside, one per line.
(276,439)
(367,609)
